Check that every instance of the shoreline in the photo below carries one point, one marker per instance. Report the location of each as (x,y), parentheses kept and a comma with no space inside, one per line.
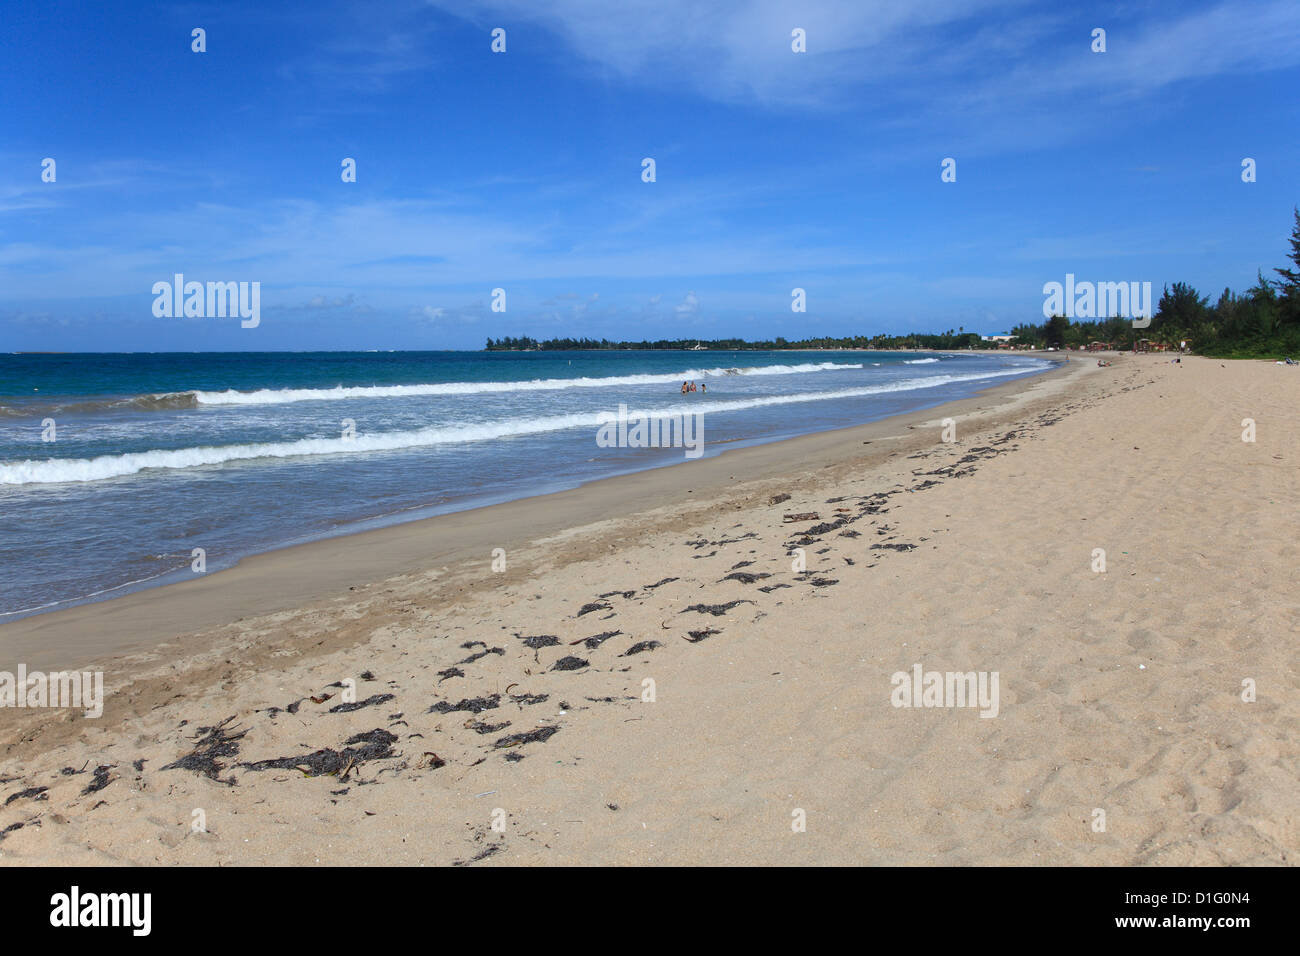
(664,685)
(289,576)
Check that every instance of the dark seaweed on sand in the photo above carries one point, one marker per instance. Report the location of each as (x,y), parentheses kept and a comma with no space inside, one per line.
(368,702)
(641,648)
(10,829)
(743,537)
(100,781)
(539,640)
(827,526)
(658,584)
(717,610)
(593,642)
(594,606)
(374,745)
(29,793)
(697,636)
(491,650)
(474,705)
(522,699)
(483,855)
(569,664)
(540,735)
(479,727)
(744,577)
(215,742)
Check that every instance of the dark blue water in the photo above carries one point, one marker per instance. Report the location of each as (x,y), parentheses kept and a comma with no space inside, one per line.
(114,468)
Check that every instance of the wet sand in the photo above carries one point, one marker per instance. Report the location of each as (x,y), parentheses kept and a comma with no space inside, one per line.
(655,678)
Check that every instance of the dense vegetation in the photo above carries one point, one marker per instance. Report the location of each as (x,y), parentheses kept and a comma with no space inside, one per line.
(1262,321)
(947,340)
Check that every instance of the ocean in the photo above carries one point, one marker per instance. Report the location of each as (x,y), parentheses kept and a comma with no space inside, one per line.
(114,468)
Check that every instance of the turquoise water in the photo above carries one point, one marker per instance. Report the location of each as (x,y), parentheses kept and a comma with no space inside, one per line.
(115,467)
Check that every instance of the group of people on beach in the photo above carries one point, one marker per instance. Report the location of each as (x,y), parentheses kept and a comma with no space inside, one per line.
(690,387)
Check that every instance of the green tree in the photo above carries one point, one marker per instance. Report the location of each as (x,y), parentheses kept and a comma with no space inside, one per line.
(1289,285)
(1055,329)
(1182,313)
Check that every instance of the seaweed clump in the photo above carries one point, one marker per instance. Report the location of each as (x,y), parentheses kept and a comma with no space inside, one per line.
(376,744)
(217,742)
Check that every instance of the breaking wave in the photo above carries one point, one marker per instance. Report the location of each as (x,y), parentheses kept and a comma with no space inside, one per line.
(280,396)
(55,470)
(163,401)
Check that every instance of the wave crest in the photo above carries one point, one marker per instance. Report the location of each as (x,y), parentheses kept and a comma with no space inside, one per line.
(56,470)
(281,396)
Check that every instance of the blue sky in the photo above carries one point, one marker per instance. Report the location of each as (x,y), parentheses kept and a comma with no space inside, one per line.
(522,170)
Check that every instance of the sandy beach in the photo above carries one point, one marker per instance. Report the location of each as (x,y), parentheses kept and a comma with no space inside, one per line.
(694,665)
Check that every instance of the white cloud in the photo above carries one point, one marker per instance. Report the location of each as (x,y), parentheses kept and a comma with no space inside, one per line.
(995,52)
(688,307)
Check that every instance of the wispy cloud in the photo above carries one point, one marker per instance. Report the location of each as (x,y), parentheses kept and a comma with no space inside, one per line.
(1003,52)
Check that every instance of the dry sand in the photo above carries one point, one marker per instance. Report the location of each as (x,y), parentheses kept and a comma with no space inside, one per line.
(1119,691)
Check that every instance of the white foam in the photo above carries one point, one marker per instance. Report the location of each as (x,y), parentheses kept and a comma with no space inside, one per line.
(924,361)
(115,466)
(280,396)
